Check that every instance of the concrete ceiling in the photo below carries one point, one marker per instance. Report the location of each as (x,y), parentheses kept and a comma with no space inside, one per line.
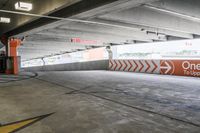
(103,22)
(39,7)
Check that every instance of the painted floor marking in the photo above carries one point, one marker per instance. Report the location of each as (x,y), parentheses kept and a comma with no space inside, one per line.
(19,125)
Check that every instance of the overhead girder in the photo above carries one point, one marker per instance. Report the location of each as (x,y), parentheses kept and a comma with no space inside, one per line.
(103,37)
(52,47)
(36,50)
(144,28)
(129,32)
(42,52)
(112,7)
(152,18)
(100,41)
(48,52)
(39,54)
(186,9)
(51,44)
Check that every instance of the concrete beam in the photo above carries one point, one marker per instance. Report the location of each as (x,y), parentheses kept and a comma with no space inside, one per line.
(180,8)
(27,50)
(113,7)
(152,18)
(118,31)
(103,37)
(44,43)
(144,28)
(35,55)
(88,12)
(66,40)
(51,47)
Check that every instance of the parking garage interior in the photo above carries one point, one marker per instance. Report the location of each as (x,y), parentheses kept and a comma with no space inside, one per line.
(103,66)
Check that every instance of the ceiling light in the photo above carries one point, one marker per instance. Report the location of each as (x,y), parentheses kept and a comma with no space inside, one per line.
(4,20)
(23,6)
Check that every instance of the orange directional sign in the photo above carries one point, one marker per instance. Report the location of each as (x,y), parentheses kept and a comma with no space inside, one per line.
(186,67)
(166,67)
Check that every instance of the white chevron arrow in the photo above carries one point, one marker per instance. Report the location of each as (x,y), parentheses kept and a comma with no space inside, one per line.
(139,66)
(151,66)
(145,66)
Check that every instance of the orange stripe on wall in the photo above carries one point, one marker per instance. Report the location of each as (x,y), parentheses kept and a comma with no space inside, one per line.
(165,67)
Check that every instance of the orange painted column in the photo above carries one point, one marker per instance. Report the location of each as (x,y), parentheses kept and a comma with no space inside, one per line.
(13,44)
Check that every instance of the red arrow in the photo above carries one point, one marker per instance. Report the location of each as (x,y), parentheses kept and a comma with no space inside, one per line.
(147,65)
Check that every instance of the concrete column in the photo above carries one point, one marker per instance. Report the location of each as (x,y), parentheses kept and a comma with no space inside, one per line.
(13,60)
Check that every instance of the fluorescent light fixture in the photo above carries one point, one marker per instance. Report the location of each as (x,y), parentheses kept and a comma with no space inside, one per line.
(23,6)
(4,20)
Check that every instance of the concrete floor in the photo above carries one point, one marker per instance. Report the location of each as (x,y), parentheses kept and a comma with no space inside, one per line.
(101,102)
